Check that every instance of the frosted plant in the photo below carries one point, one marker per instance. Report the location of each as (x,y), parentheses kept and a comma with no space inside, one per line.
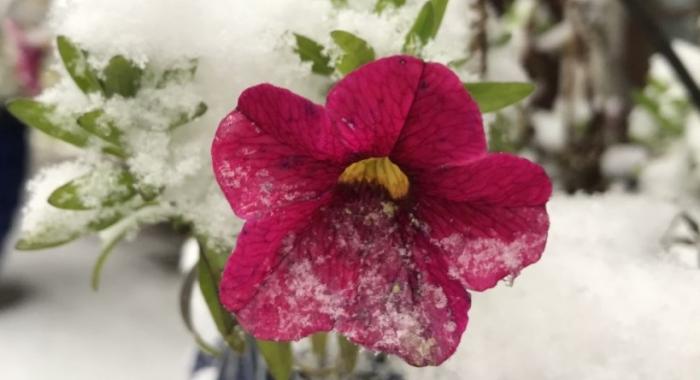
(142,85)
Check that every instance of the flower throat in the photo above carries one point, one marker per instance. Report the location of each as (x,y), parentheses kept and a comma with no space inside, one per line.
(377,170)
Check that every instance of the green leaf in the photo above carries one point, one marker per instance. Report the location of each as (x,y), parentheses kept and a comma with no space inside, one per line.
(382,4)
(185,118)
(421,31)
(339,3)
(75,61)
(106,219)
(278,356)
(439,7)
(356,51)
(106,251)
(425,27)
(493,96)
(45,241)
(311,51)
(209,278)
(319,343)
(348,355)
(179,74)
(44,118)
(96,123)
(121,77)
(119,185)
(186,313)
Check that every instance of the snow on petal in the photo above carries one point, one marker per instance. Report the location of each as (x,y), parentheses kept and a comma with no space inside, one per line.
(357,268)
(483,244)
(260,174)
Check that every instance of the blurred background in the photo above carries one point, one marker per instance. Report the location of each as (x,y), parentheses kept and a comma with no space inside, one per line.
(615,121)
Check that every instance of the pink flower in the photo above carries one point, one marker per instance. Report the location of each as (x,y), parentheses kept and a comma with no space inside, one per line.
(28,57)
(373,215)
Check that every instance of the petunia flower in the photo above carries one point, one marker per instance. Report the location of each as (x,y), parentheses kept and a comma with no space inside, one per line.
(374,215)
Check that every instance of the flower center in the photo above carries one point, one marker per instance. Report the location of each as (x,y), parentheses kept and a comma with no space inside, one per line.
(377,170)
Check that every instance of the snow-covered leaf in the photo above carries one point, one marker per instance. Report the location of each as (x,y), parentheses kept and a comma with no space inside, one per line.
(121,77)
(356,51)
(44,118)
(93,190)
(182,74)
(493,96)
(75,61)
(185,118)
(311,51)
(278,356)
(380,5)
(96,123)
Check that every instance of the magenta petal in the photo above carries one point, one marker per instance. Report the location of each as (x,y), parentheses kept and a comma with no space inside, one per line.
(257,253)
(411,309)
(496,179)
(444,125)
(484,244)
(357,268)
(369,106)
(260,174)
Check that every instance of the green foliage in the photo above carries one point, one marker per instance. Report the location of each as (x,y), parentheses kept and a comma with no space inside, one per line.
(311,51)
(118,187)
(493,96)
(348,355)
(185,73)
(668,110)
(96,123)
(356,51)
(185,117)
(381,5)
(75,61)
(425,27)
(501,133)
(186,312)
(105,252)
(278,356)
(46,240)
(121,77)
(209,270)
(319,343)
(45,118)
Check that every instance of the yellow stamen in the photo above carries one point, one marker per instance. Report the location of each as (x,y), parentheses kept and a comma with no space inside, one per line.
(378,170)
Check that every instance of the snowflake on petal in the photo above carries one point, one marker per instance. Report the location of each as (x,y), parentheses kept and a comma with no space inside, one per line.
(374,215)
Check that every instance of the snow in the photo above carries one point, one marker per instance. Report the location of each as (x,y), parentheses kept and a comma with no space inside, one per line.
(604,302)
(162,34)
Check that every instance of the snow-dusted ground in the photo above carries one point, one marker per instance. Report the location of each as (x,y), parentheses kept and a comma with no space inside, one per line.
(603,303)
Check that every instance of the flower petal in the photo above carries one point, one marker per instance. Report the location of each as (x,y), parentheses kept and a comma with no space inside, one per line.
(369,106)
(483,244)
(443,126)
(259,173)
(256,253)
(359,267)
(496,179)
